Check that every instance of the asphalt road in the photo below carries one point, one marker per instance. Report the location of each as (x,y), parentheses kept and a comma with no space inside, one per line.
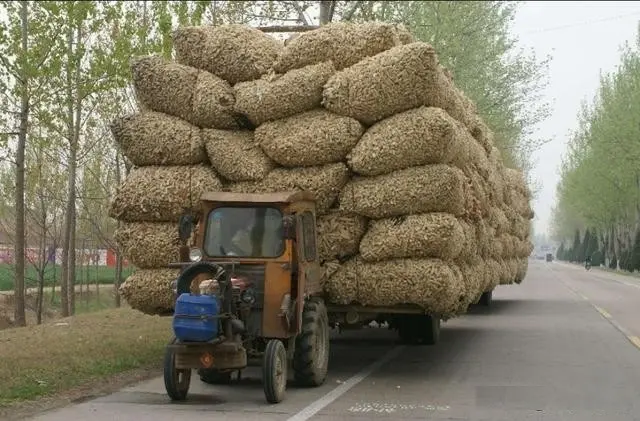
(561,346)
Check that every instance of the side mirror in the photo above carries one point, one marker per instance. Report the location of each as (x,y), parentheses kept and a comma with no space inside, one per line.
(289,227)
(185,226)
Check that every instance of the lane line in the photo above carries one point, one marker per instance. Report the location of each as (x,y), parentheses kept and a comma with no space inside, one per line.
(634,340)
(326,400)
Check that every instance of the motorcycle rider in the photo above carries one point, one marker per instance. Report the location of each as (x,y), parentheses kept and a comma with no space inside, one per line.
(587,262)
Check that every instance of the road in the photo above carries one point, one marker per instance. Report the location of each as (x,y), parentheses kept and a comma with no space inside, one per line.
(561,346)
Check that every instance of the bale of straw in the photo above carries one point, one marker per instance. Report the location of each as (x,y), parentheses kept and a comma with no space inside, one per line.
(437,235)
(470,246)
(494,272)
(164,86)
(183,91)
(213,102)
(523,267)
(313,138)
(160,194)
(389,83)
(339,234)
(479,191)
(431,188)
(149,245)
(520,204)
(236,53)
(482,133)
(344,44)
(421,136)
(149,291)
(324,181)
(521,227)
(429,283)
(235,155)
(474,276)
(515,181)
(151,138)
(275,97)
(498,220)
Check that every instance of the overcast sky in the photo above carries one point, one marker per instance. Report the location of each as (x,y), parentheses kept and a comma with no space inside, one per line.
(583,39)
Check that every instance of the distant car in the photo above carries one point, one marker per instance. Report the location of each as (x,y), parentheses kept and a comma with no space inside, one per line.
(549,257)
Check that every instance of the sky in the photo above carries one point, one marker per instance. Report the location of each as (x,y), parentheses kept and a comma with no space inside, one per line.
(583,39)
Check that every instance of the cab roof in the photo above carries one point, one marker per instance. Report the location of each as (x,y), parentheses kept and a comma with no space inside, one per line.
(278,197)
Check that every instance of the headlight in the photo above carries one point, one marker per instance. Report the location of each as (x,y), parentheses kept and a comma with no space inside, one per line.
(195,254)
(248,296)
(174,286)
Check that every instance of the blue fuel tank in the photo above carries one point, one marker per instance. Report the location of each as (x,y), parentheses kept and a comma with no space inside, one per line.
(194,318)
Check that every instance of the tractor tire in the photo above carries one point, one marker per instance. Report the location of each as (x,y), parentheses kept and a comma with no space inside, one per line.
(311,354)
(274,371)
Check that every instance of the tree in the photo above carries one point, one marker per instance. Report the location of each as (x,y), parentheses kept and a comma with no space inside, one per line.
(26,43)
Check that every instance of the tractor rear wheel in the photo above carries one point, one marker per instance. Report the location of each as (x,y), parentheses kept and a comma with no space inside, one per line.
(311,354)
(419,329)
(486,299)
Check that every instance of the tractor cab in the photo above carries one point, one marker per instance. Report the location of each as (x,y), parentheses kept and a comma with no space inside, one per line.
(252,270)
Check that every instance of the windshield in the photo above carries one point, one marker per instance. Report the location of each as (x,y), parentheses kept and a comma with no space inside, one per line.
(244,232)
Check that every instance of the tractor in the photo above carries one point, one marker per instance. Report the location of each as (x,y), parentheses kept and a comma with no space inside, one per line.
(248,294)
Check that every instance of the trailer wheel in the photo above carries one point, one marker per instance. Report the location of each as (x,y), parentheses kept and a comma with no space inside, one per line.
(176,381)
(274,371)
(486,299)
(430,328)
(311,354)
(419,329)
(213,376)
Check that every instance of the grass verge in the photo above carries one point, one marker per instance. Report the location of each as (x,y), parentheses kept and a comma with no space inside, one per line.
(43,360)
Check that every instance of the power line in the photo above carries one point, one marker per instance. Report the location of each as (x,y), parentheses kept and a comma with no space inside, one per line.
(574,25)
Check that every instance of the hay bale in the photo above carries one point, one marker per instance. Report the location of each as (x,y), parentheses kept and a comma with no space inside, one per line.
(160,194)
(429,283)
(279,96)
(479,191)
(498,220)
(474,276)
(389,83)
(437,235)
(213,103)
(235,155)
(494,272)
(313,138)
(470,246)
(482,133)
(523,267)
(325,182)
(431,188)
(149,291)
(345,44)
(164,86)
(515,181)
(195,96)
(151,138)
(149,245)
(421,136)
(339,234)
(236,53)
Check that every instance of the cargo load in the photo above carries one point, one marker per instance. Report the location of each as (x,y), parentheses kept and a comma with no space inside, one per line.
(414,203)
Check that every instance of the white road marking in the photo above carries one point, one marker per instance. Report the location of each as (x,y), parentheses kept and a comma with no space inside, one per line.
(317,406)
(388,408)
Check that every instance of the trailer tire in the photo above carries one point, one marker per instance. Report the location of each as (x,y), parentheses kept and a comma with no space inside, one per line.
(419,329)
(486,299)
(311,353)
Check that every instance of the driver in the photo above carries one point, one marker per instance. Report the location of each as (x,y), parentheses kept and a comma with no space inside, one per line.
(271,238)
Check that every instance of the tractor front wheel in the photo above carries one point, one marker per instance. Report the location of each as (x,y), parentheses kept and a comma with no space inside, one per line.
(274,371)
(176,381)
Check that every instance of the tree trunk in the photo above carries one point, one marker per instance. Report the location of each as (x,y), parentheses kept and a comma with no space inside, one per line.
(19,293)
(326,11)
(118,279)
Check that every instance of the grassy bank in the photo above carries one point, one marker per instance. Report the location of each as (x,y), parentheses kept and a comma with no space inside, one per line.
(66,353)
(85,275)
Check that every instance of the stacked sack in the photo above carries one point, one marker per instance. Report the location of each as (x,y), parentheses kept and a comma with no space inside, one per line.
(414,205)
